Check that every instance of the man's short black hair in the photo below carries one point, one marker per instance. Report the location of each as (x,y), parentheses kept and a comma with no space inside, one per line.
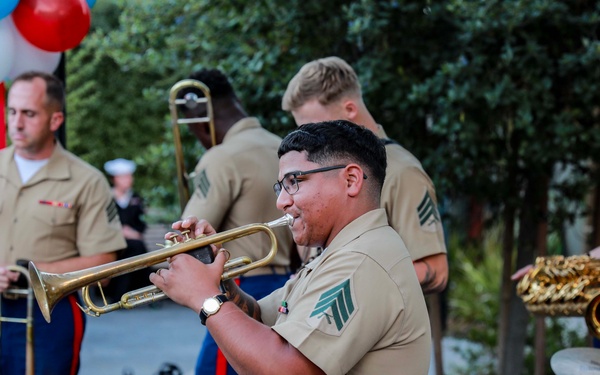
(217,83)
(340,141)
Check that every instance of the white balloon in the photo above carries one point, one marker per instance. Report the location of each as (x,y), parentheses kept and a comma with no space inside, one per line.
(7,47)
(27,57)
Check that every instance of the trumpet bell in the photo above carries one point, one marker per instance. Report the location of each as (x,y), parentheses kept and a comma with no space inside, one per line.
(42,296)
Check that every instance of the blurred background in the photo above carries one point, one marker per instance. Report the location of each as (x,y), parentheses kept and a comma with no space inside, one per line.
(500,100)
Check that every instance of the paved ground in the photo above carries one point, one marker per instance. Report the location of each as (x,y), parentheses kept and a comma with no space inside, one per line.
(139,341)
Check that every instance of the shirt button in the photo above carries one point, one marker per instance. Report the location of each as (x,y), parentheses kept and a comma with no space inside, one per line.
(15,220)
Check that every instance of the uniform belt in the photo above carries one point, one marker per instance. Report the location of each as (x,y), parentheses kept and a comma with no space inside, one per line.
(269,270)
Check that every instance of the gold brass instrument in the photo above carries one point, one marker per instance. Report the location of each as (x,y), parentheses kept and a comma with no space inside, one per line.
(564,286)
(28,320)
(190,100)
(49,288)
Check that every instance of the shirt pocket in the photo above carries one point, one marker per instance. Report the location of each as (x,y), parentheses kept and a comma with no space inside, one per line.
(56,223)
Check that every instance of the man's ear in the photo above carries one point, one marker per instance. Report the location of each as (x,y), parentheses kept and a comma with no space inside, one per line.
(350,109)
(56,120)
(354,179)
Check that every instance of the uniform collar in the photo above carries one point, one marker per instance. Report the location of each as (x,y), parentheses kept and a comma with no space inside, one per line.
(380,132)
(56,169)
(9,168)
(244,124)
(371,220)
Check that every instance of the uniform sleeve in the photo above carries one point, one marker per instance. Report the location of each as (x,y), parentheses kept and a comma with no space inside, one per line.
(98,225)
(411,205)
(216,186)
(338,307)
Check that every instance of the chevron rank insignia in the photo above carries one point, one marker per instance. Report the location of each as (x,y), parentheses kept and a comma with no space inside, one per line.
(428,214)
(334,309)
(201,182)
(111,211)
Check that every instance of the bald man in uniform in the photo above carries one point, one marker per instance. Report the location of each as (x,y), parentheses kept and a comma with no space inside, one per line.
(231,189)
(356,309)
(55,210)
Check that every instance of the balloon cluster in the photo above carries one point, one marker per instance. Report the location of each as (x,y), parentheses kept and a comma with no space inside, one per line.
(34,33)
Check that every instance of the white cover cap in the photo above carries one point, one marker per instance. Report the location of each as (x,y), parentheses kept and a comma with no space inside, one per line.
(119,167)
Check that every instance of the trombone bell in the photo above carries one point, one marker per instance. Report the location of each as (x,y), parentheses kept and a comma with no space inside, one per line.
(190,100)
(49,288)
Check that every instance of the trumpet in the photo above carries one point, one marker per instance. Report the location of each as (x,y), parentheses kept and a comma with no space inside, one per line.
(190,100)
(49,288)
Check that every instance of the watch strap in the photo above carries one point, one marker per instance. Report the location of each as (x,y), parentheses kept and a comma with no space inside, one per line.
(222,298)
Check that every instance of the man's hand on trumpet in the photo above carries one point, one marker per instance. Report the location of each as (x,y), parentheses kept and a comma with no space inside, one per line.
(191,224)
(188,281)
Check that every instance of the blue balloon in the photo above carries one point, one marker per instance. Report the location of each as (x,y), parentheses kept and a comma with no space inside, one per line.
(90,3)
(6,7)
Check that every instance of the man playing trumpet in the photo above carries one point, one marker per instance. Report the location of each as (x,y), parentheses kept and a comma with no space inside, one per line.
(357,308)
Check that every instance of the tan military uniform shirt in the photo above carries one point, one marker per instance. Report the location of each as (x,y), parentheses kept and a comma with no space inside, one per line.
(234,187)
(357,308)
(409,199)
(65,210)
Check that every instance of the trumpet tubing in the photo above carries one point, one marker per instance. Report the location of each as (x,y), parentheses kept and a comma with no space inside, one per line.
(49,288)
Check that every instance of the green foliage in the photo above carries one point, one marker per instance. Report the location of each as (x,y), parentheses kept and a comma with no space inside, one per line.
(475,287)
(511,102)
(477,90)
(141,48)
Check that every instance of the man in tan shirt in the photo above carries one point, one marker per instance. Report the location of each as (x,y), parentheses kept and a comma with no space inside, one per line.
(55,210)
(232,188)
(356,309)
(328,89)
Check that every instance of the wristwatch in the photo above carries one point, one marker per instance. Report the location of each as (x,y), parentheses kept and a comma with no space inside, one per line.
(211,306)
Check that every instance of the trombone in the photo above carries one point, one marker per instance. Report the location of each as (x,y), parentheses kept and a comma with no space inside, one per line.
(49,288)
(28,320)
(190,100)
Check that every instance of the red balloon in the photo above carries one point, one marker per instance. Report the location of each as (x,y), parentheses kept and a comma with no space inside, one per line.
(53,25)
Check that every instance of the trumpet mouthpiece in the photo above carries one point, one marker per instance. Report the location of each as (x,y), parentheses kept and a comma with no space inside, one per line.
(287,219)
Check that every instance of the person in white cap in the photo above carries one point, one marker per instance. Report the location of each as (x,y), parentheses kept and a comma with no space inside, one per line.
(130,207)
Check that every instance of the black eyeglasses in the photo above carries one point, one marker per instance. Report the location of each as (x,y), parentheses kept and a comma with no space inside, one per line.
(289,182)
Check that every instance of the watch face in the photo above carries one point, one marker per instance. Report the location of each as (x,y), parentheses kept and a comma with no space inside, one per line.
(211,305)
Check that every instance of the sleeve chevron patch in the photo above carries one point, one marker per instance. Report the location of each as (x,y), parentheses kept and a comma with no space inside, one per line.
(111,211)
(202,183)
(335,306)
(428,213)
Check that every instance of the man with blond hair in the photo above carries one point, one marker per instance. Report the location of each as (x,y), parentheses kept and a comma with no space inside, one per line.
(328,89)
